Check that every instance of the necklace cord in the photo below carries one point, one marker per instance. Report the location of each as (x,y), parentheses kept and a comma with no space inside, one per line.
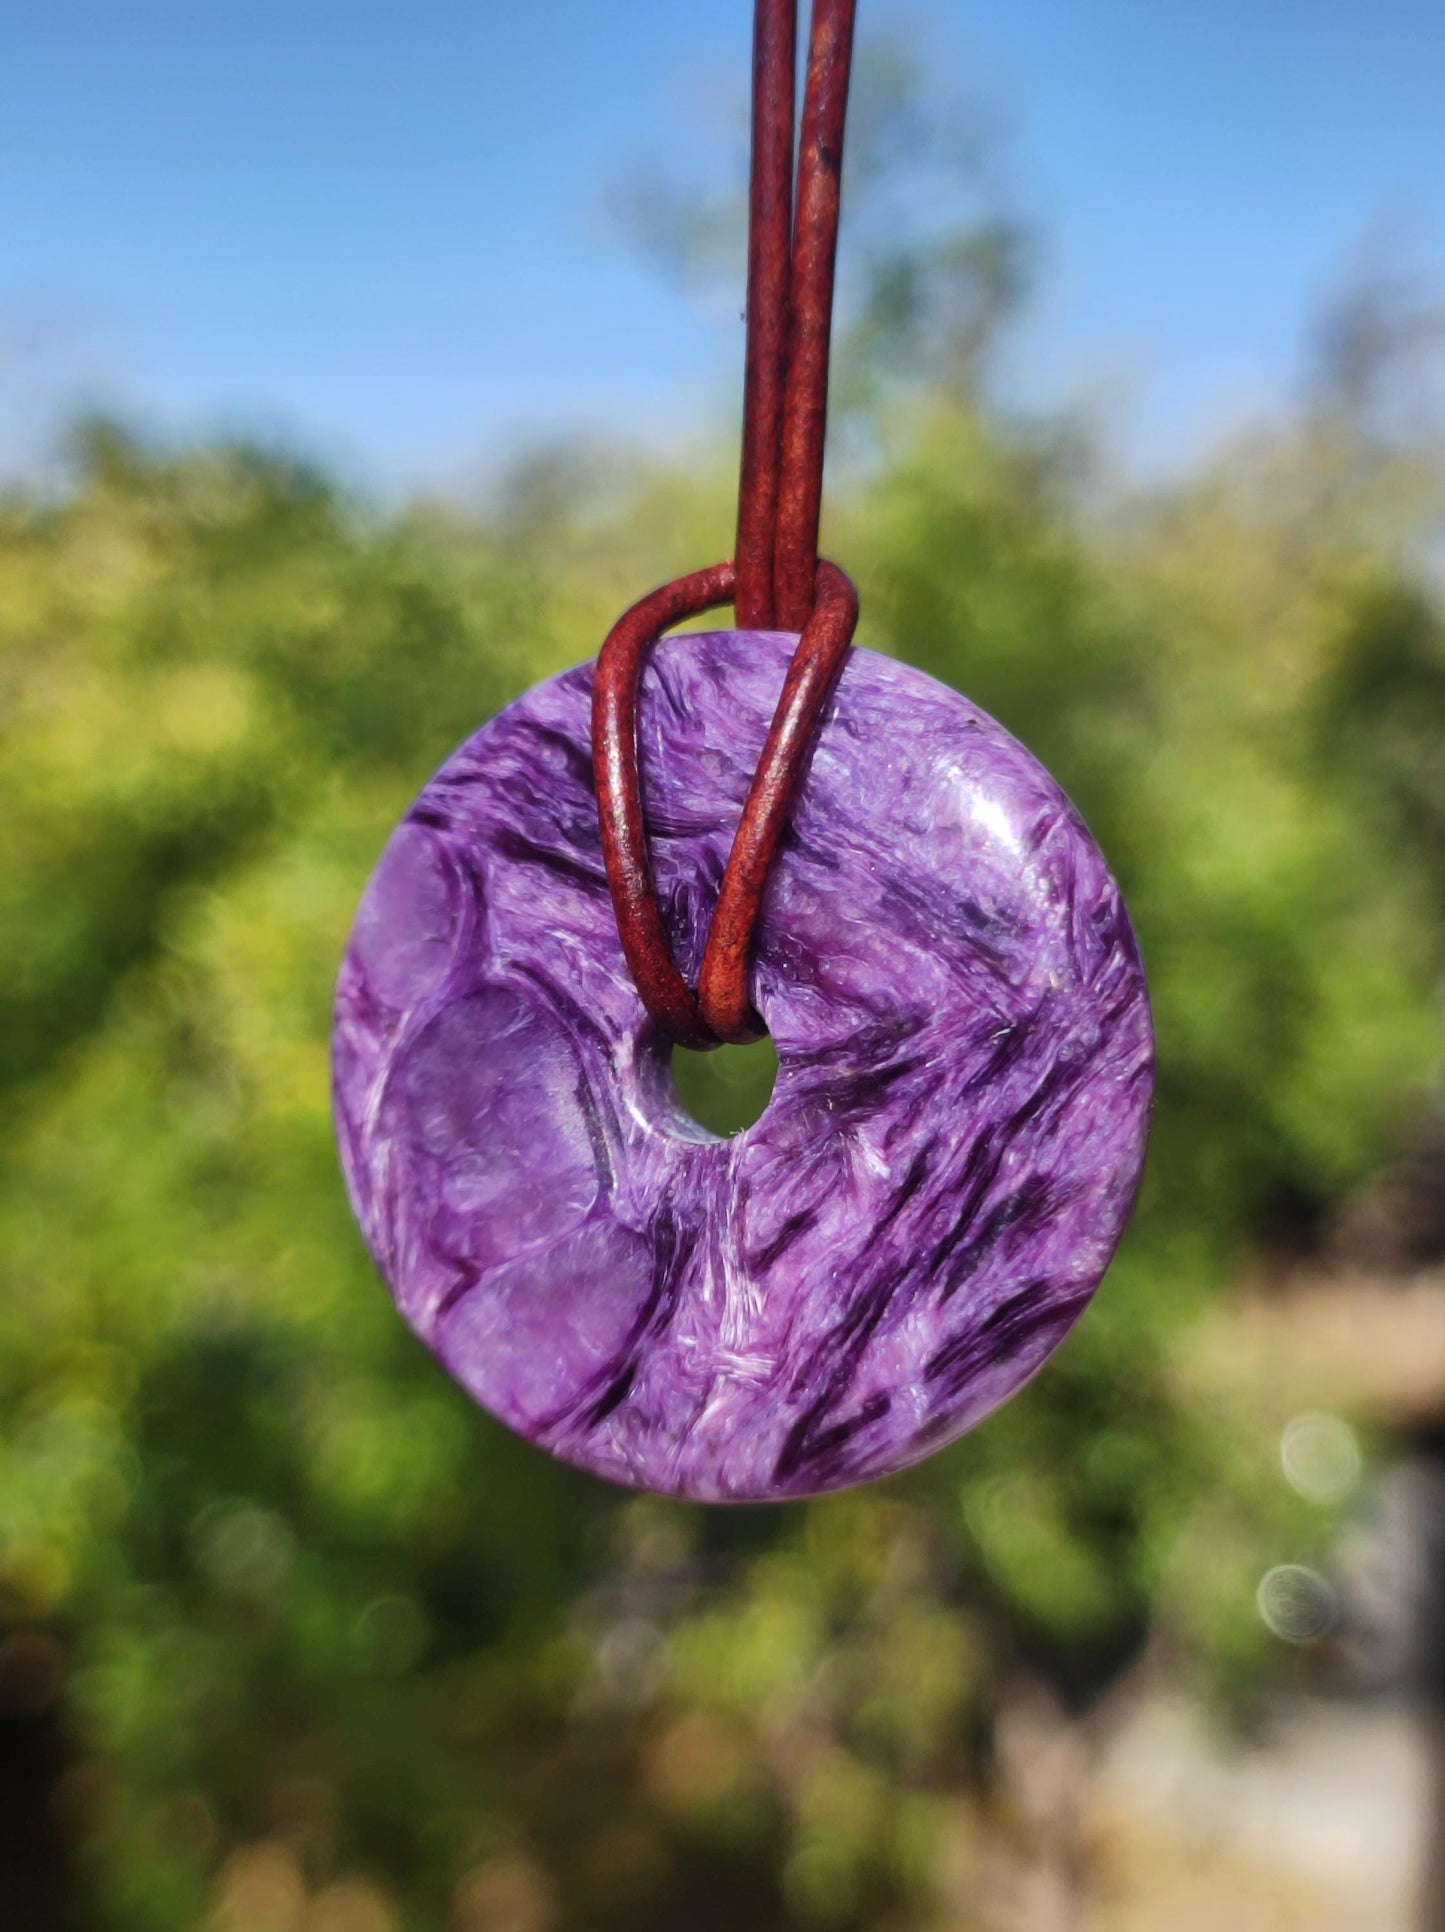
(770,243)
(777,579)
(810,317)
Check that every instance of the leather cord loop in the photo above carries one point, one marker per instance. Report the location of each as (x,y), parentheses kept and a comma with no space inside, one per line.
(778,579)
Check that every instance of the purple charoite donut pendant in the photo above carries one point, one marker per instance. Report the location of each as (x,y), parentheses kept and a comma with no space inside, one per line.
(965,1068)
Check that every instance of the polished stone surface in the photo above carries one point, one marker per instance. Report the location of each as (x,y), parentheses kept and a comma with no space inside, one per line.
(953,1143)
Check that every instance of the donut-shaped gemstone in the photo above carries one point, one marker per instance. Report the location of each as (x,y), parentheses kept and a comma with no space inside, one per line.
(952,1146)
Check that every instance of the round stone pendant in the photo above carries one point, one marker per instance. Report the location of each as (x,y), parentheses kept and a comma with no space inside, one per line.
(952,1147)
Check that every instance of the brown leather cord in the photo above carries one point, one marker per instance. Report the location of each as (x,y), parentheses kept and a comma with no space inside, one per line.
(721,1010)
(665,993)
(723,981)
(810,326)
(770,243)
(777,579)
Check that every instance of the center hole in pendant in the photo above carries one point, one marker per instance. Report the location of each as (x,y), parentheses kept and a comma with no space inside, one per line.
(727,1089)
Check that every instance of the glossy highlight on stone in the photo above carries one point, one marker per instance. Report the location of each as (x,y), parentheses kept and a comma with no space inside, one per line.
(953,1145)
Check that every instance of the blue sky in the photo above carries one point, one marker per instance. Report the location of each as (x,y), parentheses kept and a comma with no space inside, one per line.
(377,229)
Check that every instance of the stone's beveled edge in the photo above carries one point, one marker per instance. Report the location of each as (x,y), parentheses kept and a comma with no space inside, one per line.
(706,698)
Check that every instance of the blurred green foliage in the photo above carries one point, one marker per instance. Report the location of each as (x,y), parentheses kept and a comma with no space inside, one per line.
(338,1653)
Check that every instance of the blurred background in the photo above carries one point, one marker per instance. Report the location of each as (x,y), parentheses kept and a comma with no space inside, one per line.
(357,367)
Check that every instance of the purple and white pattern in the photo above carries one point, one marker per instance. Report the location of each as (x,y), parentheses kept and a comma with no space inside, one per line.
(952,1147)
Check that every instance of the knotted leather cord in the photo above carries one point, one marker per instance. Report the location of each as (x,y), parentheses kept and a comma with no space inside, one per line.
(777,579)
